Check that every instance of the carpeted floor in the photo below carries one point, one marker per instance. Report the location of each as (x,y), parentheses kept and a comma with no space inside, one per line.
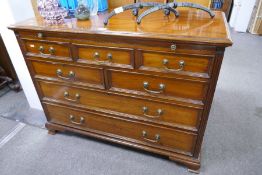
(6,126)
(232,144)
(14,106)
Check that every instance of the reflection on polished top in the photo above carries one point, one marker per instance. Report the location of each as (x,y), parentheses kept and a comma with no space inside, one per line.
(192,25)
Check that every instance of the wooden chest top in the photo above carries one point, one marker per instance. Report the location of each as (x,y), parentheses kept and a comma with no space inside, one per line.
(193,26)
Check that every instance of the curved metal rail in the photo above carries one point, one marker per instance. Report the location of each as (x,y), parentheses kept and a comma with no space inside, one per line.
(155,6)
(154,9)
(171,6)
(196,6)
(135,7)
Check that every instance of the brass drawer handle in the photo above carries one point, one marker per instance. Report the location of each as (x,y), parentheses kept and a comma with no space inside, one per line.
(40,35)
(41,49)
(52,50)
(109,57)
(173,47)
(159,113)
(156,140)
(97,56)
(66,96)
(181,64)
(59,73)
(161,88)
(72,120)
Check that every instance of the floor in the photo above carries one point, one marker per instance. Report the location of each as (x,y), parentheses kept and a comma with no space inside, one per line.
(232,144)
(14,106)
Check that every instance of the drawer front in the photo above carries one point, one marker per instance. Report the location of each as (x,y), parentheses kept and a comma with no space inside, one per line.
(43,35)
(88,76)
(199,66)
(146,110)
(47,49)
(121,42)
(110,56)
(169,139)
(162,87)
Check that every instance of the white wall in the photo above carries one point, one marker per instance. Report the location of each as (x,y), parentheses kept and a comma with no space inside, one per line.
(12,11)
(241,14)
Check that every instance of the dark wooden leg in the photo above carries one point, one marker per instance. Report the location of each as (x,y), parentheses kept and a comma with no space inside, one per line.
(52,132)
(194,169)
(193,165)
(15,86)
(53,129)
(7,81)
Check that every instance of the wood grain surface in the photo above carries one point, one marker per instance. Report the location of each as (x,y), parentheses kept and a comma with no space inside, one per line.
(192,26)
(110,82)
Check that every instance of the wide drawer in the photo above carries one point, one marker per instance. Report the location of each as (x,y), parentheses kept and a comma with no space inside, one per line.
(192,65)
(59,50)
(168,139)
(83,75)
(151,111)
(109,56)
(162,87)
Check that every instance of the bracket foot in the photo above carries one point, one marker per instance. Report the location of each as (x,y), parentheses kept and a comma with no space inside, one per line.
(192,164)
(52,132)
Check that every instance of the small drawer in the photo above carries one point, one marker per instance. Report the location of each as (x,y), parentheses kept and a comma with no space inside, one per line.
(168,139)
(43,36)
(47,49)
(109,56)
(162,87)
(82,75)
(146,110)
(192,65)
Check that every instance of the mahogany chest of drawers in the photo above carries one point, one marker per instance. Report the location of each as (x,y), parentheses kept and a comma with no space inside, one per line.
(148,86)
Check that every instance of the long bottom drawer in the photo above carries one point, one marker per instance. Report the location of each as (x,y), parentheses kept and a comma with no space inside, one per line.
(164,138)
